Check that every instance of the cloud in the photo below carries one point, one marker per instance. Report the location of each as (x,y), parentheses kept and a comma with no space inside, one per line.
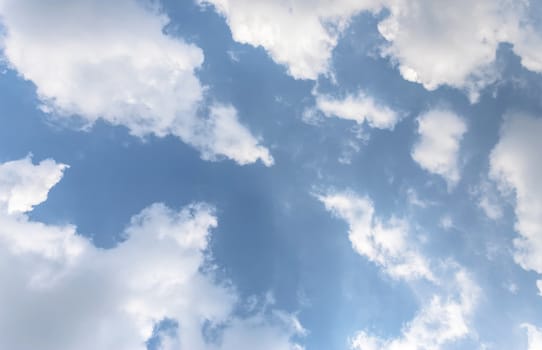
(59,291)
(299,34)
(455,42)
(534,337)
(445,314)
(433,43)
(384,242)
(440,133)
(359,108)
(443,320)
(224,135)
(515,166)
(97,60)
(24,185)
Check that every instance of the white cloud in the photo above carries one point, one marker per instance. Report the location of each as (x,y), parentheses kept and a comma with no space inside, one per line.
(24,185)
(539,285)
(224,135)
(386,243)
(359,108)
(61,292)
(433,43)
(443,320)
(440,133)
(455,42)
(515,166)
(445,314)
(299,34)
(534,337)
(113,61)
(446,42)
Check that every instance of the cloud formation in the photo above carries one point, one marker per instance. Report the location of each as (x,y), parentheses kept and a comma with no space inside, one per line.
(444,316)
(515,166)
(23,185)
(360,108)
(432,43)
(384,242)
(59,291)
(437,149)
(299,34)
(113,61)
(443,320)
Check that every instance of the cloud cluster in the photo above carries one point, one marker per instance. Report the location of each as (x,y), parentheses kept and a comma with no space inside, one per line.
(113,61)
(444,316)
(59,291)
(437,149)
(299,34)
(433,43)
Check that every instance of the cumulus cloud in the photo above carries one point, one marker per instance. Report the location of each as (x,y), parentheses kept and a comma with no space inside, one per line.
(24,185)
(224,135)
(59,291)
(440,133)
(443,320)
(384,242)
(455,42)
(360,108)
(113,61)
(515,166)
(445,314)
(299,34)
(433,43)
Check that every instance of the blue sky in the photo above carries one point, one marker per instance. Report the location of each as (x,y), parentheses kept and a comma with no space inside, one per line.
(285,175)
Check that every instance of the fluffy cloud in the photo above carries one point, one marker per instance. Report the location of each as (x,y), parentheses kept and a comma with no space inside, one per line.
(61,292)
(444,316)
(436,151)
(446,42)
(432,43)
(455,42)
(359,108)
(386,243)
(23,185)
(97,59)
(224,135)
(299,34)
(515,166)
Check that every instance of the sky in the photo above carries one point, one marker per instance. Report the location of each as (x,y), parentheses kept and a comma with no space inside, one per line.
(270,174)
